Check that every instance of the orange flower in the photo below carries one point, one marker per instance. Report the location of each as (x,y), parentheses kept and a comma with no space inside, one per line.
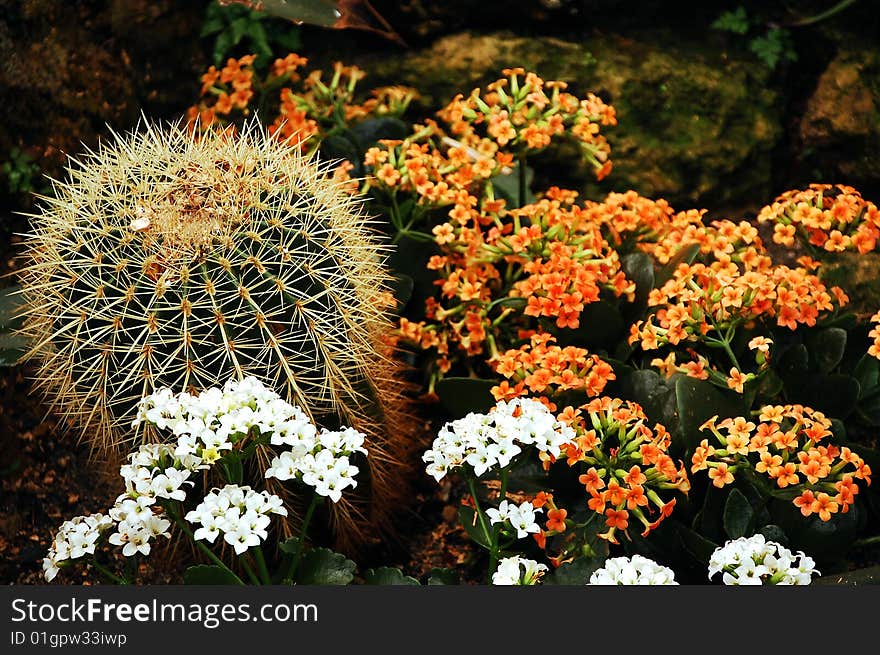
(635,476)
(591,480)
(617,519)
(805,502)
(824,505)
(720,475)
(737,380)
(556,520)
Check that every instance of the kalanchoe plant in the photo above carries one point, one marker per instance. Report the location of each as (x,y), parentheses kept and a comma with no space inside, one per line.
(635,570)
(220,432)
(756,561)
(488,444)
(623,465)
(786,454)
(516,570)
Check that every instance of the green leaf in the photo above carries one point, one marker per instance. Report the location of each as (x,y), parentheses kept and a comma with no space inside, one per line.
(370,131)
(340,147)
(867,372)
(313,12)
(773,47)
(601,326)
(470,521)
(385,575)
(402,288)
(257,34)
(826,348)
(222,46)
(857,578)
(439,576)
(836,395)
(322,566)
(238,28)
(654,393)
(685,254)
(576,572)
(697,401)
(289,40)
(738,514)
(736,21)
(793,362)
(639,268)
(507,187)
(208,574)
(774,533)
(10,307)
(698,546)
(460,396)
(823,540)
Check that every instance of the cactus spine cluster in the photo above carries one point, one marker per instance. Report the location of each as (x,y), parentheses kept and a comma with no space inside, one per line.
(171,260)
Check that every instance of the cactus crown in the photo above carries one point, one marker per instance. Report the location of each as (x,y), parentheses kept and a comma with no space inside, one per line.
(170,260)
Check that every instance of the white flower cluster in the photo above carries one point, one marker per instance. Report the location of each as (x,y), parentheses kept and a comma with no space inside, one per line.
(75,538)
(756,561)
(320,460)
(635,570)
(210,423)
(521,517)
(518,570)
(240,513)
(494,439)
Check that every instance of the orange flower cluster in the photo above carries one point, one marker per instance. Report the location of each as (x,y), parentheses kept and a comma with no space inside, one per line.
(833,218)
(542,368)
(504,274)
(789,445)
(419,167)
(874,348)
(305,115)
(624,464)
(224,90)
(521,112)
(721,296)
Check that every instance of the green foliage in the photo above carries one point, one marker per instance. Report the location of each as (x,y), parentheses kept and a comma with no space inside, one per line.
(208,574)
(21,173)
(322,566)
(385,575)
(771,45)
(234,24)
(736,21)
(12,344)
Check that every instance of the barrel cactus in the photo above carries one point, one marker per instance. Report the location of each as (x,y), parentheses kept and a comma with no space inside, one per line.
(169,260)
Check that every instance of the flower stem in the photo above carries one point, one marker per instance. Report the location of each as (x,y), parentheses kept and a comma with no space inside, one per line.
(207,551)
(250,572)
(261,565)
(109,574)
(489,534)
(297,555)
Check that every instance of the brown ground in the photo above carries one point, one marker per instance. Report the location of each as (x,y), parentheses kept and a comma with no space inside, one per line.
(46,478)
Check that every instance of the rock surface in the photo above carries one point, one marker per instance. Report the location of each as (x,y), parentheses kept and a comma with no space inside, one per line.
(840,128)
(70,68)
(694,125)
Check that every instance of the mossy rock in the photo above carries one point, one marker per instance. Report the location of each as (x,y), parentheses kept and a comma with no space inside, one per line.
(694,125)
(840,128)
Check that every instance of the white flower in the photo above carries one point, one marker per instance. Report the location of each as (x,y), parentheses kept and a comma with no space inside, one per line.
(521,518)
(75,538)
(239,513)
(756,561)
(484,441)
(518,570)
(636,570)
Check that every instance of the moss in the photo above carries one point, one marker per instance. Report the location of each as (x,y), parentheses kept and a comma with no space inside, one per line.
(695,126)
